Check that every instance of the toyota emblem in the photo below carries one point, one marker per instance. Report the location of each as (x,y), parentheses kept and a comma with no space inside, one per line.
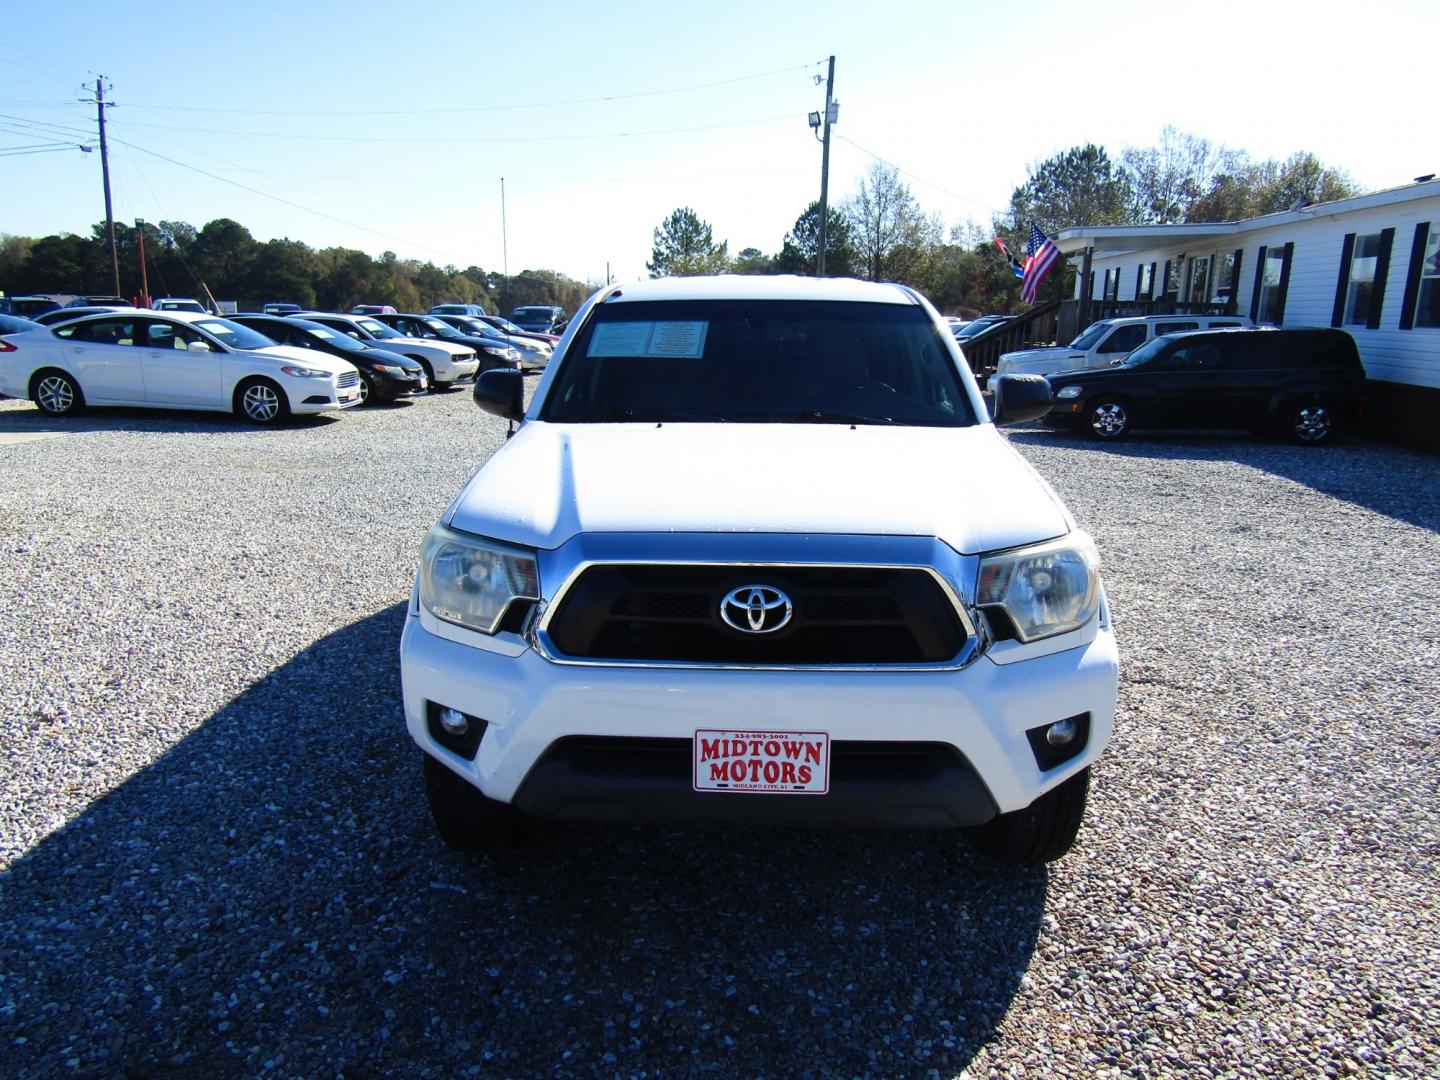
(756,609)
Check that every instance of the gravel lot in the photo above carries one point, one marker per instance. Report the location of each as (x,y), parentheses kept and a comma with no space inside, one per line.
(218,859)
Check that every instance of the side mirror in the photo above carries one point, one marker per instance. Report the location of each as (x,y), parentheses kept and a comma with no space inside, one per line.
(1021,397)
(198,346)
(501,391)
(354,333)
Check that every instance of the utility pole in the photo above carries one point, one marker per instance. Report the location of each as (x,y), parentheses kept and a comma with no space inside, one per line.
(504,249)
(100,106)
(824,169)
(144,276)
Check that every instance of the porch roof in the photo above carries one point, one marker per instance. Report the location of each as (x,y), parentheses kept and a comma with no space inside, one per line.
(1119,238)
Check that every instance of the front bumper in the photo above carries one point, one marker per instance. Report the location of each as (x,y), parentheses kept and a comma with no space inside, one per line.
(531,706)
(457,372)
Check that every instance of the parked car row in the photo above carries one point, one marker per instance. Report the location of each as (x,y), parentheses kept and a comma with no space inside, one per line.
(259,366)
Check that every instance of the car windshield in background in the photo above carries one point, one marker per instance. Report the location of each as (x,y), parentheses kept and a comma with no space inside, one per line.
(233,335)
(441,327)
(759,361)
(1090,335)
(1147,351)
(333,337)
(378,329)
(506,326)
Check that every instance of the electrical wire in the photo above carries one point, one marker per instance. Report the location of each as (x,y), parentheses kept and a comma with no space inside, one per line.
(918,179)
(451,138)
(481,108)
(449,256)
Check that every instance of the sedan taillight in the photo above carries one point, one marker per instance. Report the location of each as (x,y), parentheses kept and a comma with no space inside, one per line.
(5,346)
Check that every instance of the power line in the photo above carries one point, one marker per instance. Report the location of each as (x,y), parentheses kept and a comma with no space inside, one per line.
(479,108)
(451,138)
(286,202)
(921,179)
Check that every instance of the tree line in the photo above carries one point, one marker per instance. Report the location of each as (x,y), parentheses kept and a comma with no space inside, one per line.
(233,265)
(882,233)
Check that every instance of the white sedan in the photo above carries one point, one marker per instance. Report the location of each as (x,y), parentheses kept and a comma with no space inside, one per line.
(175,360)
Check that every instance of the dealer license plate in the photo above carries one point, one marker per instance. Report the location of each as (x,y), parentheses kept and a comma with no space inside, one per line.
(774,762)
(349,395)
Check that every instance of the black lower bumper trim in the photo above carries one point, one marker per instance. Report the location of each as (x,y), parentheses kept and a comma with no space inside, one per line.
(872,784)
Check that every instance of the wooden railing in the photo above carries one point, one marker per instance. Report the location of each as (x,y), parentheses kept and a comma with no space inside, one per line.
(1034,327)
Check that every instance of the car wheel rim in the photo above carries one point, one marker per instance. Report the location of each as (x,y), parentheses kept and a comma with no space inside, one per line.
(364,391)
(1312,424)
(261,403)
(1109,420)
(55,394)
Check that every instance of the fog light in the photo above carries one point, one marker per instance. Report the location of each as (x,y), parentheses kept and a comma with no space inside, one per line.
(454,723)
(1060,733)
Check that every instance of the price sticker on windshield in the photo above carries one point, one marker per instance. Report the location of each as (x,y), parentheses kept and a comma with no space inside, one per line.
(683,339)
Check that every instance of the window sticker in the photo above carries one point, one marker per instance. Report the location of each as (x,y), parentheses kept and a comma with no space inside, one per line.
(673,339)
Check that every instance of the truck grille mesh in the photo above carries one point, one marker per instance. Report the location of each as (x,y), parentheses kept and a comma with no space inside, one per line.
(841,616)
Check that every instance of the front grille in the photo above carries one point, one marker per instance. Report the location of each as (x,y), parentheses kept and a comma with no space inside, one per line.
(349,378)
(851,761)
(841,616)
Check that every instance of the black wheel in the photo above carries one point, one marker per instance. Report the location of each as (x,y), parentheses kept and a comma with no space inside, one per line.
(1310,424)
(260,401)
(464,817)
(56,393)
(368,394)
(1042,832)
(1108,418)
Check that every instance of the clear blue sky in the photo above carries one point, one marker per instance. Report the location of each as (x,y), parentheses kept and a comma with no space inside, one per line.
(400,120)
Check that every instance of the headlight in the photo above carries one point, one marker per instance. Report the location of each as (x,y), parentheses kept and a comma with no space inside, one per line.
(1048,589)
(470,581)
(1068,392)
(392,369)
(497,350)
(305,372)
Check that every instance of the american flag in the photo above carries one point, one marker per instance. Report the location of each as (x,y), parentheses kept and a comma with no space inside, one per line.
(1040,255)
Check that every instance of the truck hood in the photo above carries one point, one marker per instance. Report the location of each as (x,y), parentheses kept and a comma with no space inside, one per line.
(965,486)
(1038,361)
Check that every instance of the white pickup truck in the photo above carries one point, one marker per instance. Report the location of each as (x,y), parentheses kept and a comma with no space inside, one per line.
(757,554)
(1104,342)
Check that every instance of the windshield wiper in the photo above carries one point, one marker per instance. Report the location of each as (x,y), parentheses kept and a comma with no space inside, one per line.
(648,415)
(830,416)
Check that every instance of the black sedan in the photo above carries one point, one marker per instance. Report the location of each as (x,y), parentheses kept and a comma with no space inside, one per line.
(494,352)
(384,375)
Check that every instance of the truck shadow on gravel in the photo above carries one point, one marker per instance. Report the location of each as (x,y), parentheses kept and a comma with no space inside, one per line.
(270,896)
(1388,480)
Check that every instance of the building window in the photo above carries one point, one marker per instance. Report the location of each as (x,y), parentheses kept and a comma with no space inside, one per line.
(1362,279)
(1227,277)
(1145,281)
(1273,279)
(1427,299)
(1173,269)
(1199,279)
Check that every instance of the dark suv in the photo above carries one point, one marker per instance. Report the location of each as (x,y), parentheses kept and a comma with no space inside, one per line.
(1303,383)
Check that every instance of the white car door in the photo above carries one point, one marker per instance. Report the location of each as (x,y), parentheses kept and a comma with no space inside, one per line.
(103,356)
(175,374)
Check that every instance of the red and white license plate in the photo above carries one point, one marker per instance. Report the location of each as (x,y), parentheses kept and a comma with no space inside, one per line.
(349,395)
(775,762)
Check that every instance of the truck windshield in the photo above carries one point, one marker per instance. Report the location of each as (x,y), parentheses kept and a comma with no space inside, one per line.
(1091,335)
(759,361)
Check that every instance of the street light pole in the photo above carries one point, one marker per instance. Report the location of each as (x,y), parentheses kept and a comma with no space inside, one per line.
(825,171)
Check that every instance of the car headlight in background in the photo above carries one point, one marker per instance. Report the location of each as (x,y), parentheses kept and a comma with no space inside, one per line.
(501,351)
(470,581)
(305,372)
(1067,392)
(1047,589)
(393,369)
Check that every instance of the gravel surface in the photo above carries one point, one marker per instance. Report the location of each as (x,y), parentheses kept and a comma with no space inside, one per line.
(217,858)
